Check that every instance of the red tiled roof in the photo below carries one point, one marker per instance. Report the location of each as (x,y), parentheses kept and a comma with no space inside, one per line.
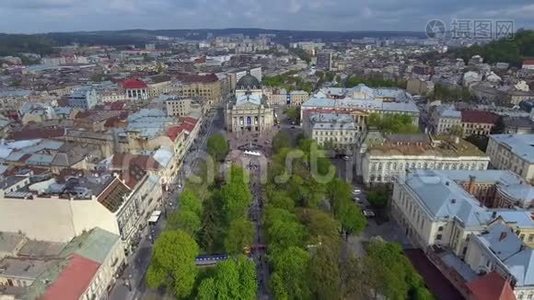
(490,287)
(73,280)
(174,131)
(190,120)
(133,83)
(474,116)
(528,62)
(124,161)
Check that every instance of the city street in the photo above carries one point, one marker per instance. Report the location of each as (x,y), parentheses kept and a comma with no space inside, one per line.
(131,284)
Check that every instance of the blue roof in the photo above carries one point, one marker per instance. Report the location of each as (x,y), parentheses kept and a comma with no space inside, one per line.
(501,240)
(487,176)
(444,199)
(520,218)
(521,266)
(521,145)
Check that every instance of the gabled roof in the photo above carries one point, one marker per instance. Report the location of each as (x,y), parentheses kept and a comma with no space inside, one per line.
(484,117)
(174,131)
(491,286)
(133,83)
(73,280)
(444,199)
(501,240)
(521,266)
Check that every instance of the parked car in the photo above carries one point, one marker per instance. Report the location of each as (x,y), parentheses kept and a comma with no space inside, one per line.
(346,157)
(368,213)
(356,191)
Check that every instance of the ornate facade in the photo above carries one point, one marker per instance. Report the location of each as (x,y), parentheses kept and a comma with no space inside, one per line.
(249,112)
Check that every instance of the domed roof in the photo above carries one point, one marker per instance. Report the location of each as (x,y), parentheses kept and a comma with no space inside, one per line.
(247,82)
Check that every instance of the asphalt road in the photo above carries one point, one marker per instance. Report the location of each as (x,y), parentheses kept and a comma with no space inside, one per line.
(131,284)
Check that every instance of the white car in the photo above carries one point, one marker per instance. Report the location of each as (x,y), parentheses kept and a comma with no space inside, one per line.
(356,191)
(368,213)
(346,157)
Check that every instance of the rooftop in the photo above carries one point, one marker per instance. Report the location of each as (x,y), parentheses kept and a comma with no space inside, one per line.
(474,116)
(73,279)
(421,144)
(133,83)
(491,286)
(444,199)
(521,145)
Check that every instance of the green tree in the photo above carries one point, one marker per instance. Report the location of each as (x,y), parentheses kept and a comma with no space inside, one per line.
(392,123)
(240,234)
(283,229)
(190,201)
(378,198)
(352,218)
(324,272)
(185,220)
(457,130)
(211,235)
(234,278)
(290,278)
(281,140)
(480,141)
(390,273)
(293,114)
(280,199)
(173,263)
(235,194)
(218,147)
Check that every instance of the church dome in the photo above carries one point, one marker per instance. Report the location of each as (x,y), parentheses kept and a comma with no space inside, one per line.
(248,82)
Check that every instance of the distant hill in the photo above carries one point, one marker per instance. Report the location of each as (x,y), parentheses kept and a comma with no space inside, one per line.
(512,51)
(14,44)
(141,36)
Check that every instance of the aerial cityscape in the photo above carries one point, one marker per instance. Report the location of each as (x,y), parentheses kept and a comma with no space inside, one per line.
(266,150)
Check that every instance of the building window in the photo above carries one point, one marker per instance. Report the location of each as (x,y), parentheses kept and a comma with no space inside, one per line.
(440,228)
(438,237)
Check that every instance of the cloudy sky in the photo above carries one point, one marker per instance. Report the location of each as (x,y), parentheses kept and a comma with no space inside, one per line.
(31,16)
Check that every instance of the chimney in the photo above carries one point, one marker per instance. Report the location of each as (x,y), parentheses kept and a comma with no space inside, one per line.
(471,185)
(502,236)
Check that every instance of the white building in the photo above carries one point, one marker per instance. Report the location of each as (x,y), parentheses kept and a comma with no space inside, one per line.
(361,101)
(386,157)
(83,98)
(499,249)
(434,210)
(445,117)
(84,268)
(333,131)
(513,152)
(62,209)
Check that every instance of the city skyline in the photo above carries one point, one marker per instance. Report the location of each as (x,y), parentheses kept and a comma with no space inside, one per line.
(38,16)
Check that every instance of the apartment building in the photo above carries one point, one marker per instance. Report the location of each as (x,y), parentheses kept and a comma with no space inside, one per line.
(498,249)
(83,98)
(478,122)
(332,130)
(513,152)
(65,206)
(384,157)
(443,118)
(83,268)
(438,208)
(207,87)
(360,101)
